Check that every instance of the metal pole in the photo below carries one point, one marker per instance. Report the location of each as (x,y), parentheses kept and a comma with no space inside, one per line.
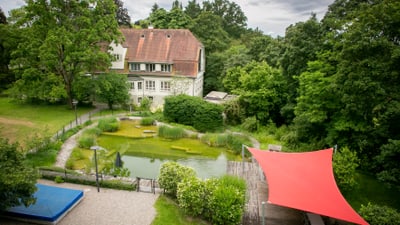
(97,173)
(263,213)
(76,117)
(243,158)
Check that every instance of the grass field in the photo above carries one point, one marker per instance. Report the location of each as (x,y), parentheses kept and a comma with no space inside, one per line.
(23,122)
(169,213)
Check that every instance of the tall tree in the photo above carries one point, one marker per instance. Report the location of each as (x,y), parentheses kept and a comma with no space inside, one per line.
(174,19)
(234,21)
(301,44)
(62,40)
(208,28)
(17,181)
(193,9)
(7,43)
(112,89)
(260,88)
(123,17)
(3,19)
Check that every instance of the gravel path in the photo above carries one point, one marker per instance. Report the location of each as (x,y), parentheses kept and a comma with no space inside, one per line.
(67,147)
(106,207)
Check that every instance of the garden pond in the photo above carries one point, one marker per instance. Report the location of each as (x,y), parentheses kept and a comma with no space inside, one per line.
(143,151)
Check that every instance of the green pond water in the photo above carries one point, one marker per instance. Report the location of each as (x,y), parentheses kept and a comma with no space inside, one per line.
(143,156)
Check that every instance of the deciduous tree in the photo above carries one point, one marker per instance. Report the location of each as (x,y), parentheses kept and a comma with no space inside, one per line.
(112,89)
(17,181)
(62,40)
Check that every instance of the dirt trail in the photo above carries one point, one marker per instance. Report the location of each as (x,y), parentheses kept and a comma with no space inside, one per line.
(4,120)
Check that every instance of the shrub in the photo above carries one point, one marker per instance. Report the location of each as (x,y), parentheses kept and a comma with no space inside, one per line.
(171,173)
(379,215)
(193,111)
(225,204)
(209,139)
(171,132)
(86,140)
(59,179)
(147,121)
(93,131)
(250,124)
(110,124)
(191,194)
(235,142)
(345,164)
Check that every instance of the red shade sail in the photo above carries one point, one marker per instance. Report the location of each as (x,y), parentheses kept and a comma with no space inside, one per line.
(305,181)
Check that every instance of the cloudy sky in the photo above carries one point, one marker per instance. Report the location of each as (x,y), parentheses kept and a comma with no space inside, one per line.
(270,16)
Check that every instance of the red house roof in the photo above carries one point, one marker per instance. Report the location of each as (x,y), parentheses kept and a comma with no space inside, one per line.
(171,46)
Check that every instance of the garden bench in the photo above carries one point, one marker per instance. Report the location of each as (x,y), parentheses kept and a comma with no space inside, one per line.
(276,148)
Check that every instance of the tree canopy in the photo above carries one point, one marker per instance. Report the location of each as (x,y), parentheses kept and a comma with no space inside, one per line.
(17,181)
(60,41)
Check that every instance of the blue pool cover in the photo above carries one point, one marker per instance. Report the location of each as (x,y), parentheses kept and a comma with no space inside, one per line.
(52,203)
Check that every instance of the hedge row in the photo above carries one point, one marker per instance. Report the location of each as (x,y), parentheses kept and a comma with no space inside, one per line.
(218,200)
(193,111)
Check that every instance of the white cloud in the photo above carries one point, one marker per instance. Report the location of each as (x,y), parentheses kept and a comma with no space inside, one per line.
(270,16)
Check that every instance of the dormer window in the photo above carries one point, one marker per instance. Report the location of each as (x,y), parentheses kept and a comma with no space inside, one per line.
(166,67)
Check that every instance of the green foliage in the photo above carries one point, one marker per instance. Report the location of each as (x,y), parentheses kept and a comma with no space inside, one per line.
(388,163)
(193,111)
(345,163)
(112,89)
(174,19)
(234,113)
(226,200)
(230,141)
(191,196)
(46,155)
(17,181)
(171,132)
(86,141)
(168,213)
(171,174)
(110,124)
(250,124)
(261,88)
(208,117)
(145,104)
(88,137)
(52,56)
(379,214)
(59,179)
(147,121)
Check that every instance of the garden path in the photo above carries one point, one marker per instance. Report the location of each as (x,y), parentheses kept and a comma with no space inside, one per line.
(71,142)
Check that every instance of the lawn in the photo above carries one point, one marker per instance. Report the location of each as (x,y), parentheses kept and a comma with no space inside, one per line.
(168,213)
(371,190)
(24,122)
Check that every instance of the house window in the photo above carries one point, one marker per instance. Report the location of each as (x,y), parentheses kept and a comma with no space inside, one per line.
(150,67)
(150,98)
(135,66)
(117,57)
(165,67)
(139,100)
(131,85)
(139,85)
(165,86)
(150,85)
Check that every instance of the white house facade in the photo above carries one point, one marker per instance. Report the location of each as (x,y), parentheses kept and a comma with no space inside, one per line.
(160,63)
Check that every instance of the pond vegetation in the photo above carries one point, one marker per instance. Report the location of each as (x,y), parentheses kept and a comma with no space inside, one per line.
(144,151)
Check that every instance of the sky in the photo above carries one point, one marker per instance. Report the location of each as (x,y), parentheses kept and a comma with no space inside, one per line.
(270,16)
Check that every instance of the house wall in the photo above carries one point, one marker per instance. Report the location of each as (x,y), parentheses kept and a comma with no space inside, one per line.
(119,54)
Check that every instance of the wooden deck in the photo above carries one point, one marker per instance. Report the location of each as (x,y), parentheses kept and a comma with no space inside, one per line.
(257,192)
